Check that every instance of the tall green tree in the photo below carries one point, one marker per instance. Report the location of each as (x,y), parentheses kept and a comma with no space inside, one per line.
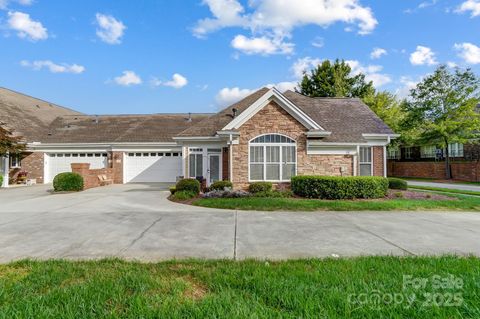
(443,109)
(334,80)
(9,143)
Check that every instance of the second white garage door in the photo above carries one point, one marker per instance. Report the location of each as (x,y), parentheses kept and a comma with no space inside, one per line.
(152,167)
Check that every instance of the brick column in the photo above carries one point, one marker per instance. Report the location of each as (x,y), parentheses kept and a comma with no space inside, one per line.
(80,168)
(117,165)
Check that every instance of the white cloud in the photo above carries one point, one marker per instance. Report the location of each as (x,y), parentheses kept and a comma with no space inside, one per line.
(318,42)
(178,81)
(284,86)
(407,84)
(468,52)
(262,45)
(423,56)
(110,30)
(227,96)
(451,64)
(26,27)
(53,67)
(304,65)
(277,19)
(128,78)
(470,5)
(377,53)
(371,72)
(4,3)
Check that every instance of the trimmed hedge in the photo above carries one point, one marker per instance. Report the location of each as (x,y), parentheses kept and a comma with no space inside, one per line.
(220,185)
(397,183)
(68,182)
(188,184)
(258,187)
(331,187)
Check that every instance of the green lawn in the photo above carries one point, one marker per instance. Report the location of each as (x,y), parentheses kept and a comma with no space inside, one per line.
(329,288)
(446,190)
(468,203)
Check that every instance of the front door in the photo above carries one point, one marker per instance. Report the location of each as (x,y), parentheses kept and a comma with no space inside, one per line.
(213,170)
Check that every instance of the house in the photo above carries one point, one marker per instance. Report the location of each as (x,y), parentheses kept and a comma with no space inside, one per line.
(267,136)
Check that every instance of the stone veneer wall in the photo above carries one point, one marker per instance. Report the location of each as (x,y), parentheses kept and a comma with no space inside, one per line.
(273,119)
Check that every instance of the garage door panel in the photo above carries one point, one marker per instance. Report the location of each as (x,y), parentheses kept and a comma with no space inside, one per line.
(61,162)
(152,167)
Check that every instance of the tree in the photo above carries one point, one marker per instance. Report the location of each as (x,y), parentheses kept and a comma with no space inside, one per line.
(10,144)
(443,109)
(334,80)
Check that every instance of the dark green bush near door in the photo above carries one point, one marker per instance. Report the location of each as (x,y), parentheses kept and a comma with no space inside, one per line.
(331,187)
(68,182)
(188,184)
(397,183)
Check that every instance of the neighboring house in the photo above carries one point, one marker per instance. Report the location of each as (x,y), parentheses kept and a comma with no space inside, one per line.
(267,136)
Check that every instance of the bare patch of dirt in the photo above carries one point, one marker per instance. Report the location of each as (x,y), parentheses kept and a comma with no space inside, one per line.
(195,290)
(14,273)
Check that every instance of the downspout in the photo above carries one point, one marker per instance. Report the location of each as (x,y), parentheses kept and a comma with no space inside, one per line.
(5,171)
(385,157)
(230,155)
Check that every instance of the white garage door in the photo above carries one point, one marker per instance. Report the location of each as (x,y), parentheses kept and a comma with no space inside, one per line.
(61,162)
(152,167)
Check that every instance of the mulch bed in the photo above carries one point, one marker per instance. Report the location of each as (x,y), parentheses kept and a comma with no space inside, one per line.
(395,194)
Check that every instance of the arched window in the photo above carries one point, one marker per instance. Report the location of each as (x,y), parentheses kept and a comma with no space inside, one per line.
(272,157)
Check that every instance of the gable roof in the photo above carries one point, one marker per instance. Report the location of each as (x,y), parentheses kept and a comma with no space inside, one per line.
(346,118)
(120,128)
(214,123)
(28,116)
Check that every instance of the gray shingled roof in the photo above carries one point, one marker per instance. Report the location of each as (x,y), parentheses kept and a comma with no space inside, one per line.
(28,116)
(214,123)
(119,128)
(346,118)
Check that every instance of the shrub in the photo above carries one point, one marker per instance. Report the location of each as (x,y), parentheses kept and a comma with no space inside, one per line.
(68,182)
(226,194)
(274,194)
(260,187)
(397,183)
(1,180)
(220,185)
(172,189)
(188,184)
(330,187)
(184,195)
(399,195)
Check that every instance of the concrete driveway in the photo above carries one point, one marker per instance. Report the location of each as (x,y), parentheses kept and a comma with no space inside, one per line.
(137,221)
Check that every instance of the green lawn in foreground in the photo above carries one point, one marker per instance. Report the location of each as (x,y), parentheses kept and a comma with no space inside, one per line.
(329,288)
(447,190)
(468,203)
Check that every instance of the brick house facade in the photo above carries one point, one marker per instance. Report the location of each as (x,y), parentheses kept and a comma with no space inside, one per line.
(314,136)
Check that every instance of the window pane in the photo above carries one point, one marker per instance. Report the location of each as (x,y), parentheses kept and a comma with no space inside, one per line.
(256,154)
(365,169)
(256,172)
(288,171)
(365,155)
(273,172)
(288,153)
(273,154)
(199,165)
(191,165)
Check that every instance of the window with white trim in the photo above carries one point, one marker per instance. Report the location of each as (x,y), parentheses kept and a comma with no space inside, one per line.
(365,161)
(407,151)
(15,161)
(428,151)
(272,157)
(455,150)
(394,152)
(195,163)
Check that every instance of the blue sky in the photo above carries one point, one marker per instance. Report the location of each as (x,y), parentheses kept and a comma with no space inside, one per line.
(123,56)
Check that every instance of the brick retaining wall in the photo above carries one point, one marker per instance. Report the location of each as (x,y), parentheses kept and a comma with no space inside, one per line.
(463,171)
(90,176)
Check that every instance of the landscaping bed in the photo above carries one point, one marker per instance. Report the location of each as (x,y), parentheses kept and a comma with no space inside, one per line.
(327,288)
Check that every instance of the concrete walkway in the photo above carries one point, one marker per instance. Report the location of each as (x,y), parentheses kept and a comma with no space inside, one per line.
(458,186)
(138,222)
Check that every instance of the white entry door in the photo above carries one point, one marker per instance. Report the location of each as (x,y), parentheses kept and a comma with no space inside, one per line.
(152,167)
(61,162)
(214,168)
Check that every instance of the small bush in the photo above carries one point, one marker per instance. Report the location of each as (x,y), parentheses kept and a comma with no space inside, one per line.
(274,194)
(1,180)
(221,185)
(172,189)
(399,195)
(184,195)
(226,194)
(188,184)
(331,187)
(397,183)
(260,187)
(68,182)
